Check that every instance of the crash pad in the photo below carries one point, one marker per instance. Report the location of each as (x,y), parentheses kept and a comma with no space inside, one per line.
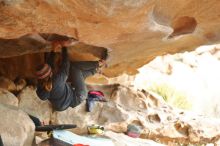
(73,139)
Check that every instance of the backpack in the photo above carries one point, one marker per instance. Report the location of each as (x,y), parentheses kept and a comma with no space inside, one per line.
(92,97)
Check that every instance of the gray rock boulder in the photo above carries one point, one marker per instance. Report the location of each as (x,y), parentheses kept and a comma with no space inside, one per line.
(7,97)
(16,128)
(30,103)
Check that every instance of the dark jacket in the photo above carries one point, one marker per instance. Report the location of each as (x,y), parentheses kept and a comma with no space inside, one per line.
(62,95)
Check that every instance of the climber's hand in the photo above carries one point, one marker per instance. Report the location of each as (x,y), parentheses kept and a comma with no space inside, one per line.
(69,42)
(56,46)
(102,63)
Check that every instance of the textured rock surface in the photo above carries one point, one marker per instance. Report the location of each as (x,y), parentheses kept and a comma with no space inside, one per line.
(120,139)
(135,31)
(191,76)
(159,121)
(8,98)
(7,84)
(30,103)
(125,105)
(16,128)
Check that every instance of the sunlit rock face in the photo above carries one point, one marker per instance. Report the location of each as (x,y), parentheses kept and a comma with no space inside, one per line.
(190,80)
(134,31)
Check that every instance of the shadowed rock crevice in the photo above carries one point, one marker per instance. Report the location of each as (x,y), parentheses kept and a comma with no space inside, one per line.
(155,118)
(183,25)
(20,46)
(36,43)
(28,44)
(171,25)
(20,56)
(181,128)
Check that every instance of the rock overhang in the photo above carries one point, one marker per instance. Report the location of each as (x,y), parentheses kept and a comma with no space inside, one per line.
(135,31)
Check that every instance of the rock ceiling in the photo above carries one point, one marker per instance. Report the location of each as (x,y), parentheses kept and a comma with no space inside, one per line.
(135,31)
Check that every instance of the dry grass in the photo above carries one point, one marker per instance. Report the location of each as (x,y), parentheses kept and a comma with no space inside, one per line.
(171,96)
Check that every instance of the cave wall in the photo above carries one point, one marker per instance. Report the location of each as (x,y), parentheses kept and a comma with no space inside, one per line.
(24,66)
(134,31)
(21,66)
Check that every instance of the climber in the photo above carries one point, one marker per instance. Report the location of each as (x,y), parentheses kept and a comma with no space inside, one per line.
(54,86)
